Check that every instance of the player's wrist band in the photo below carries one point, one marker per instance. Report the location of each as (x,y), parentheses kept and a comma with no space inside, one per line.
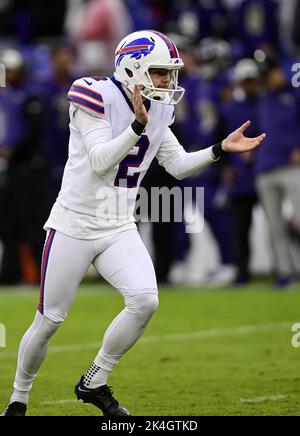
(218,150)
(137,127)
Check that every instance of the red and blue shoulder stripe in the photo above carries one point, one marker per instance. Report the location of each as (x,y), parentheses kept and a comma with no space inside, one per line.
(87,98)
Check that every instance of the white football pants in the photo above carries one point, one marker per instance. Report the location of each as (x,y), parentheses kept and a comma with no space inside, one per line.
(123,261)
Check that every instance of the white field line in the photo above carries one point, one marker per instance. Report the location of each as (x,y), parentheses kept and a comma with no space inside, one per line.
(262,399)
(242,400)
(59,402)
(201,334)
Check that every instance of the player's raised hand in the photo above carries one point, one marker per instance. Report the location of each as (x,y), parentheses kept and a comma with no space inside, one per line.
(236,142)
(138,105)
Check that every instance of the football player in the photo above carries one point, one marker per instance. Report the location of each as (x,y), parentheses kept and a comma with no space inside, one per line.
(118,125)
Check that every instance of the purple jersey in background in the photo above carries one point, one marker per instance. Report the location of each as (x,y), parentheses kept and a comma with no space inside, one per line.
(234,114)
(279,114)
(56,138)
(256,24)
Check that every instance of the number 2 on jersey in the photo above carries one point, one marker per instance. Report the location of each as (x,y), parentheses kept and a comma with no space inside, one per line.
(132,161)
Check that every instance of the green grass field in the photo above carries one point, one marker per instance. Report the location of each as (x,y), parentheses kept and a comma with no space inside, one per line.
(225,352)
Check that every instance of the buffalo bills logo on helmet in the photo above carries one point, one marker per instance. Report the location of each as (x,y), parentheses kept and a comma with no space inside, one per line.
(137,48)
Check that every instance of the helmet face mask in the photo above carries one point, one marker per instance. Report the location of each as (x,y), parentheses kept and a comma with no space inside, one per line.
(170,95)
(142,51)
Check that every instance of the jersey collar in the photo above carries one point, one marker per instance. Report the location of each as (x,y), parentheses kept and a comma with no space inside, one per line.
(118,84)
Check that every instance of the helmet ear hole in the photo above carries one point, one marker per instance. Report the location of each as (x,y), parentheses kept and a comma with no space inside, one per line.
(129,72)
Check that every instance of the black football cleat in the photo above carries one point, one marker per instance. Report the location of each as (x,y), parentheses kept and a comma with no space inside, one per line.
(102,398)
(15,409)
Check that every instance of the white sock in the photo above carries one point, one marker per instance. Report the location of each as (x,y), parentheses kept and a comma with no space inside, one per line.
(95,377)
(20,396)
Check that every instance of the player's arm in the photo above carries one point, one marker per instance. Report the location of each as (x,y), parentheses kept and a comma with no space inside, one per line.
(180,164)
(105,152)
(177,162)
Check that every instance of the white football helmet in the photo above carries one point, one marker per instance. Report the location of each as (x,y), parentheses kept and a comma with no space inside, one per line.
(142,50)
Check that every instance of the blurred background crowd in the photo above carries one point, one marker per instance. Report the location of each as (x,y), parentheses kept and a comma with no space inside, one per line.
(240,63)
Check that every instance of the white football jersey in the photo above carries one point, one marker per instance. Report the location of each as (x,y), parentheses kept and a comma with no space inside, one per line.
(89,204)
